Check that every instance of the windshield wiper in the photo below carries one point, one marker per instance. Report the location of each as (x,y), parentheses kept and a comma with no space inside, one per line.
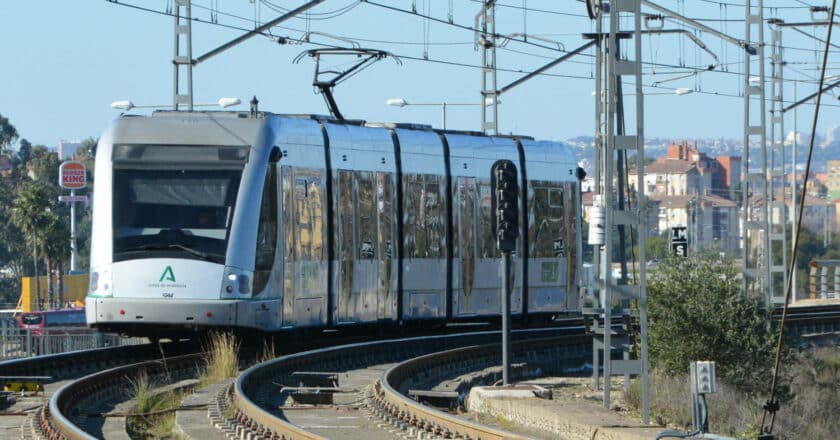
(189,250)
(158,246)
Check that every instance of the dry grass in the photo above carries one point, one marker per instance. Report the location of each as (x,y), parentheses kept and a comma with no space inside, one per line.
(222,358)
(268,351)
(161,422)
(811,414)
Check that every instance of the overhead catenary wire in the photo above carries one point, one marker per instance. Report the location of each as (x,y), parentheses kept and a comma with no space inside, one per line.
(462,64)
(697,68)
(772,405)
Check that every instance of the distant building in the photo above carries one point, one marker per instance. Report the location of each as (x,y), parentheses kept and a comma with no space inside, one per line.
(686,171)
(832,181)
(718,223)
(818,216)
(687,188)
(732,170)
(669,177)
(67,149)
(822,178)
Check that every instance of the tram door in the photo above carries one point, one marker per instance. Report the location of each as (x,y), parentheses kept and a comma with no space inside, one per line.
(365,246)
(477,275)
(304,249)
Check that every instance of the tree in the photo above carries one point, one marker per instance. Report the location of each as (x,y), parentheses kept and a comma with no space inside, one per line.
(55,247)
(24,151)
(12,245)
(697,312)
(31,213)
(8,134)
(44,165)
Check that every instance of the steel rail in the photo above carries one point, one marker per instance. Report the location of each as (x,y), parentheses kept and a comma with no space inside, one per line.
(54,419)
(74,364)
(391,389)
(251,416)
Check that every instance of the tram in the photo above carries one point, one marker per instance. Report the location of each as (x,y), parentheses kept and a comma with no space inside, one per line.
(269,222)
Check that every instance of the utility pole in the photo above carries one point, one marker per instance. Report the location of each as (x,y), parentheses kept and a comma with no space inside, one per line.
(486,38)
(182,59)
(611,143)
(755,211)
(183,41)
(777,223)
(794,211)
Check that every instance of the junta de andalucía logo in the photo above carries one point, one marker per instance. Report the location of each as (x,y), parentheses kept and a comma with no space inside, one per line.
(167,275)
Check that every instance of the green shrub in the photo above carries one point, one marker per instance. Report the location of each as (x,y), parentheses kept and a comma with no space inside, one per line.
(698,312)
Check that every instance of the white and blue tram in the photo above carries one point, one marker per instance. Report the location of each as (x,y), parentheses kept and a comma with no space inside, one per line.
(270,222)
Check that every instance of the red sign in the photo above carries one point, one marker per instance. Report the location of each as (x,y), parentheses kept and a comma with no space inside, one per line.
(72,175)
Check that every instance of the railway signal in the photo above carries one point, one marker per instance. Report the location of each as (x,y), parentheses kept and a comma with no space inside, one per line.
(506,192)
(506,216)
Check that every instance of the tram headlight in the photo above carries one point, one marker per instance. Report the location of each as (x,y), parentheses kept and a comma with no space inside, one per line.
(100,283)
(236,282)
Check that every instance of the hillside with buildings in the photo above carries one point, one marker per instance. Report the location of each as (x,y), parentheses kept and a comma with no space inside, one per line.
(697,184)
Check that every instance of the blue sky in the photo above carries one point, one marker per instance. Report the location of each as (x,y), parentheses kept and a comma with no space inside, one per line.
(65,62)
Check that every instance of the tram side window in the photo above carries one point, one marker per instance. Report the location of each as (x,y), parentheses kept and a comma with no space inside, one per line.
(486,235)
(366,225)
(424,228)
(266,231)
(547,235)
(309,214)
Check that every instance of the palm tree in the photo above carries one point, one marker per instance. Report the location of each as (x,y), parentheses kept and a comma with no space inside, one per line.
(30,212)
(55,247)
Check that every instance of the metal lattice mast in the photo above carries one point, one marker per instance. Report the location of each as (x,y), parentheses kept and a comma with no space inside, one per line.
(489,88)
(624,69)
(776,177)
(182,60)
(754,196)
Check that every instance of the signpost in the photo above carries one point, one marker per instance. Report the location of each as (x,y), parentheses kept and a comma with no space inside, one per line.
(679,241)
(72,175)
(506,215)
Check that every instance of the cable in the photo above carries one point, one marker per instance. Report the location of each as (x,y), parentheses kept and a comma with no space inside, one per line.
(314,15)
(699,68)
(544,11)
(460,26)
(772,406)
(743,5)
(454,63)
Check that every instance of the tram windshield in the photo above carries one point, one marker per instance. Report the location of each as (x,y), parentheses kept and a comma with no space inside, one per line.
(181,207)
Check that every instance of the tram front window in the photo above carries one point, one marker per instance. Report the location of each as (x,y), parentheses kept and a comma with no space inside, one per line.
(173,211)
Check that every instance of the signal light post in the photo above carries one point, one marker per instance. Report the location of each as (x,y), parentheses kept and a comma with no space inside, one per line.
(506,219)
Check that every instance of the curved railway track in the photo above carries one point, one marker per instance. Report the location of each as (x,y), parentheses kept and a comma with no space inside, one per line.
(375,377)
(66,367)
(536,357)
(375,380)
(67,415)
(84,407)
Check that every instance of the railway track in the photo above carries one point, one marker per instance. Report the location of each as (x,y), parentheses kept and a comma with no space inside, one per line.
(74,411)
(65,368)
(812,320)
(90,388)
(369,400)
